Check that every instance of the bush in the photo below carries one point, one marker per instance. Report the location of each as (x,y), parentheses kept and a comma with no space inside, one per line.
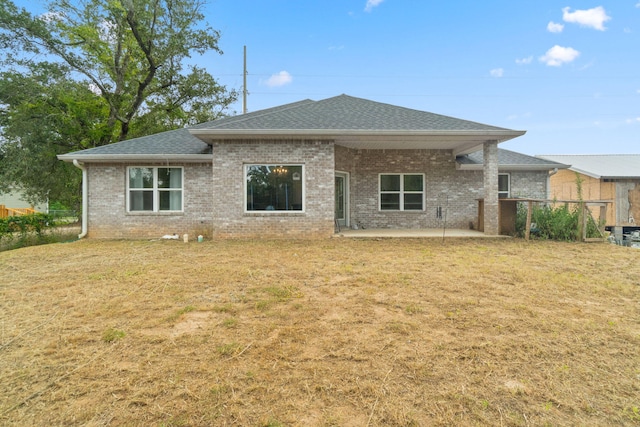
(559,223)
(22,226)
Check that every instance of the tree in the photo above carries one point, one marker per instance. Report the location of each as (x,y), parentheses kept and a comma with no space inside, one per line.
(127,59)
(47,113)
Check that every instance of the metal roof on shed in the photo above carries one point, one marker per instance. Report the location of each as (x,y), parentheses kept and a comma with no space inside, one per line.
(601,166)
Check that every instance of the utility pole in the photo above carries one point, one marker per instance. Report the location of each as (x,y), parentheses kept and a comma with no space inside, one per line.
(244,83)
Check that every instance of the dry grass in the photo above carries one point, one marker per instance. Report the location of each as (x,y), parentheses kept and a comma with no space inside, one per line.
(322,333)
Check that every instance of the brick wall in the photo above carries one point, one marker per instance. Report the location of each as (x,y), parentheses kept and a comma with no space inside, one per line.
(107,210)
(456,192)
(490,182)
(214,195)
(528,184)
(229,216)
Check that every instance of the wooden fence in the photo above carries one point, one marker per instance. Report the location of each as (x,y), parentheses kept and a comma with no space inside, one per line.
(6,212)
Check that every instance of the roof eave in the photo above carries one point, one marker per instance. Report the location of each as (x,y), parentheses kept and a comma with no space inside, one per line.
(618,178)
(459,141)
(207,135)
(124,158)
(507,167)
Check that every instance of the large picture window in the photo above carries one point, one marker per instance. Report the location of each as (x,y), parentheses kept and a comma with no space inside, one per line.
(274,187)
(401,192)
(155,189)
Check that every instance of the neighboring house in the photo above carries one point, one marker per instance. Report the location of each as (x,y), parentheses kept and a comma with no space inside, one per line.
(14,200)
(298,169)
(603,177)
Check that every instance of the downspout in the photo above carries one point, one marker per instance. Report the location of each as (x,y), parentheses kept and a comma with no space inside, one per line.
(551,173)
(85,201)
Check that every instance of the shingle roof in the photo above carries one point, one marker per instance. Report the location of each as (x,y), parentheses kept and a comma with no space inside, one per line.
(178,141)
(605,166)
(345,112)
(508,158)
(339,114)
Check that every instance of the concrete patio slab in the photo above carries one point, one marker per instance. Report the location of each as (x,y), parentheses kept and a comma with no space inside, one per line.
(413,233)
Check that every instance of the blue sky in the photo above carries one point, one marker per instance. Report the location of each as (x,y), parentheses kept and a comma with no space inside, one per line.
(566,72)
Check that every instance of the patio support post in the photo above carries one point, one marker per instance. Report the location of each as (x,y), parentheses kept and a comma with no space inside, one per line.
(490,173)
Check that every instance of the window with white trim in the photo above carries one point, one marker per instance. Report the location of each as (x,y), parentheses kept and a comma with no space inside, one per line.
(155,189)
(274,188)
(504,186)
(401,192)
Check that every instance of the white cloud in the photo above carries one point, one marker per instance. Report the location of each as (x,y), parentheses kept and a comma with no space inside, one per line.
(636,120)
(554,27)
(95,89)
(371,4)
(638,5)
(524,61)
(50,17)
(558,55)
(497,72)
(280,79)
(592,18)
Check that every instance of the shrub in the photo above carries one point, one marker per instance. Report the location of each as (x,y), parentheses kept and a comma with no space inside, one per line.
(554,223)
(20,227)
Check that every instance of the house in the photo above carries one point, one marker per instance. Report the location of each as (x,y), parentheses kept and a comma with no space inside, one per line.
(301,168)
(602,177)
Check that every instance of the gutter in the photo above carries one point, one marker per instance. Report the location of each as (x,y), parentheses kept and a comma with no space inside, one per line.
(85,198)
(479,136)
(148,158)
(507,168)
(243,133)
(551,173)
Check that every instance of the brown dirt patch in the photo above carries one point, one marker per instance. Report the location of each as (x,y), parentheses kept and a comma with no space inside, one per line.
(320,333)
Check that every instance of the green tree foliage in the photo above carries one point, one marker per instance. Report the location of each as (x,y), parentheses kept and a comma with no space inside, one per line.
(95,72)
(47,113)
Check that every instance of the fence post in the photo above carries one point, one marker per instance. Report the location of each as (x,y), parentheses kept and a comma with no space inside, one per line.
(527,228)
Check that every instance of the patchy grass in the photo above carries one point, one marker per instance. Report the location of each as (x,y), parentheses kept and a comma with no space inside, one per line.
(386,332)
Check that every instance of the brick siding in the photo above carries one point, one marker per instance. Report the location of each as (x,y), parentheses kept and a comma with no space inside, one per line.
(229,216)
(107,210)
(528,184)
(455,192)
(214,195)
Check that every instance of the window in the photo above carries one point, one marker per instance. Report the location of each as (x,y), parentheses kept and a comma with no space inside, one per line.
(504,186)
(401,192)
(274,188)
(155,189)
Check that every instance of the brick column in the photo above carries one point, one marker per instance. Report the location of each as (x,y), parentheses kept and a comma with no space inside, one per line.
(490,174)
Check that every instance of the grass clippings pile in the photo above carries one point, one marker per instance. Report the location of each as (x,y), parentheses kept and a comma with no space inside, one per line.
(320,333)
